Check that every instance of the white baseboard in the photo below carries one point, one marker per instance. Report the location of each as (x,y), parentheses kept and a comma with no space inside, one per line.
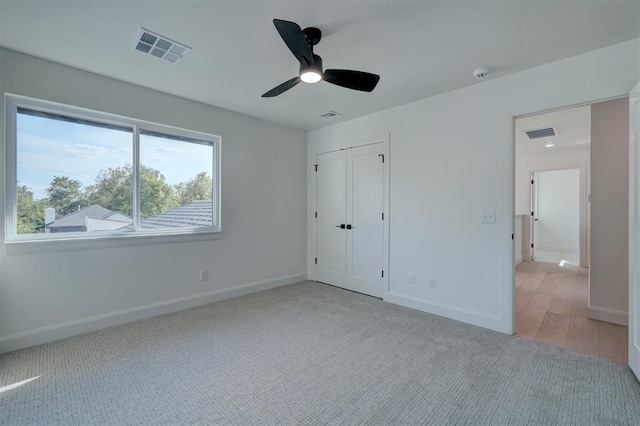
(568,250)
(24,339)
(468,316)
(608,315)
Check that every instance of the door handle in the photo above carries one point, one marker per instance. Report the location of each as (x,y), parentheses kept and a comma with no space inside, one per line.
(351,227)
(341,226)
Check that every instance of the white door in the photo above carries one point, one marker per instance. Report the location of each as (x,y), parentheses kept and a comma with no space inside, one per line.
(365,225)
(634,230)
(331,198)
(349,219)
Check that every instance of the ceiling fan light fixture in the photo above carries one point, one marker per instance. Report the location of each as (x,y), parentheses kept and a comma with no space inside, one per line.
(310,76)
(311,73)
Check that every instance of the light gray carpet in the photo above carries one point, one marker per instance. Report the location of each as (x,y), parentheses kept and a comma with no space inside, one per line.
(310,354)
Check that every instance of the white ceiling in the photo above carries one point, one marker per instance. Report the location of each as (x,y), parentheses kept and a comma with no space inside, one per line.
(573,128)
(420,48)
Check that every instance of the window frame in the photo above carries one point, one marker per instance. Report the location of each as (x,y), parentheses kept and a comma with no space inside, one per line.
(13,102)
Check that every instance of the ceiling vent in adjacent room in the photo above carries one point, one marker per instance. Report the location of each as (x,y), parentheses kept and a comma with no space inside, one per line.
(544,132)
(330,114)
(159,46)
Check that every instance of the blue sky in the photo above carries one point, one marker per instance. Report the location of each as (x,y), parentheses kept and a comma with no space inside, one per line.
(48,148)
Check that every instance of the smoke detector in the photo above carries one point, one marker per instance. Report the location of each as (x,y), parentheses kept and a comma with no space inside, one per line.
(161,47)
(481,73)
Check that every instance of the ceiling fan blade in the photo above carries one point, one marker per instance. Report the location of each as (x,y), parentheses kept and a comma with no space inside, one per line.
(295,40)
(356,80)
(282,88)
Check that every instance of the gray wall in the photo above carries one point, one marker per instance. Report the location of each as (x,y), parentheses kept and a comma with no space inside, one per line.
(609,268)
(46,293)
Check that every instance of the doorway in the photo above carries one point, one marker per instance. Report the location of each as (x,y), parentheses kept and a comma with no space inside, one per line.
(555,219)
(553,171)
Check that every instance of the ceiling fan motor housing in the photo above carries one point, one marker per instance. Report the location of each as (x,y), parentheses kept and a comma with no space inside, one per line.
(313,35)
(315,66)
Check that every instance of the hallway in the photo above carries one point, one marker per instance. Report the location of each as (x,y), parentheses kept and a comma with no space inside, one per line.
(551,308)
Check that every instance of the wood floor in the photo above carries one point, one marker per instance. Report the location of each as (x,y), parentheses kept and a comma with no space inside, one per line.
(551,307)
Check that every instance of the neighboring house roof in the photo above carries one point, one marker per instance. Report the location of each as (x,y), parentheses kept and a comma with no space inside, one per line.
(77,218)
(194,213)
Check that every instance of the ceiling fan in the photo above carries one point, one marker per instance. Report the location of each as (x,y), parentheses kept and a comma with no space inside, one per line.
(301,43)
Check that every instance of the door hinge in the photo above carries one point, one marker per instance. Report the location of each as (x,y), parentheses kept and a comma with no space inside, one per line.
(531,181)
(382,274)
(531,245)
(316,167)
(531,213)
(316,214)
(512,236)
(316,260)
(382,215)
(381,155)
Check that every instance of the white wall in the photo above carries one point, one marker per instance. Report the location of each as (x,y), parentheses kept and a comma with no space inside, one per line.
(556,233)
(609,269)
(55,294)
(571,158)
(451,158)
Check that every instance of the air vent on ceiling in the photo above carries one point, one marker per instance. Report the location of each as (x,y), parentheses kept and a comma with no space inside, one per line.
(159,46)
(330,114)
(544,132)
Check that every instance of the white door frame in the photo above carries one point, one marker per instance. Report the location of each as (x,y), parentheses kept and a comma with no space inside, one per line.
(509,115)
(533,211)
(385,139)
(634,230)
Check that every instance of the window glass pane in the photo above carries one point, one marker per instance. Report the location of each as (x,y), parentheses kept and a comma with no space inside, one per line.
(73,175)
(176,182)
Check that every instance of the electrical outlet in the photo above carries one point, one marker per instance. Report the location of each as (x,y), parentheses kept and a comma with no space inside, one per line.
(488,216)
(432,282)
(412,278)
(204,275)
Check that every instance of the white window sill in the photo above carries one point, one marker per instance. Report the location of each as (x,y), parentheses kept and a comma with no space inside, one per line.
(26,247)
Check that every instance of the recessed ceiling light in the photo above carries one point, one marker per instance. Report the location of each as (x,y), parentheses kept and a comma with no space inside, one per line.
(550,144)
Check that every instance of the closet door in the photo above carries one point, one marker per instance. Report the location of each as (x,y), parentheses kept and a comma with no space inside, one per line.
(331,238)
(365,205)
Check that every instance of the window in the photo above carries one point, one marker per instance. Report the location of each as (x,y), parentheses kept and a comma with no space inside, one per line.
(73,173)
